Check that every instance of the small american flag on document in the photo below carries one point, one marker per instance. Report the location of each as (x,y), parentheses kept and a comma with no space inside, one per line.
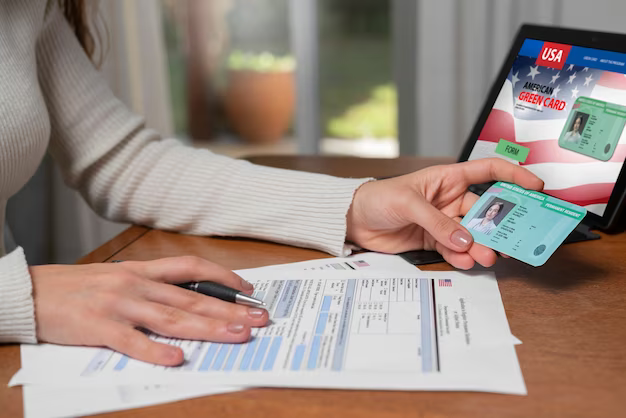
(445,283)
(361,263)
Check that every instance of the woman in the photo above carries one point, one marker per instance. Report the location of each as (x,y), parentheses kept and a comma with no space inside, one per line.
(573,135)
(486,224)
(52,98)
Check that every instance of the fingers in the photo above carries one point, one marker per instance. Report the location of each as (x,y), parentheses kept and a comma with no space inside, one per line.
(484,256)
(441,227)
(200,304)
(490,169)
(477,254)
(461,261)
(173,322)
(469,199)
(466,260)
(187,269)
(136,344)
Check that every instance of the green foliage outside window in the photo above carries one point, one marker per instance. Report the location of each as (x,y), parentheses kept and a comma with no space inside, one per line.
(374,118)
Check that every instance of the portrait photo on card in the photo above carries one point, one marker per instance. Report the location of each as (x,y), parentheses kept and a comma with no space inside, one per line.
(490,215)
(576,127)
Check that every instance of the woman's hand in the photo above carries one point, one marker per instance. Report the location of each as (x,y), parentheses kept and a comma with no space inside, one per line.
(102,304)
(421,210)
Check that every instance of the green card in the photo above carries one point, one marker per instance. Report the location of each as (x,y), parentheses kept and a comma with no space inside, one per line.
(524,224)
(593,128)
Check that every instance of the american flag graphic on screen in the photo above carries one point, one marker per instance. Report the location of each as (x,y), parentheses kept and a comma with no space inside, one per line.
(570,176)
(445,283)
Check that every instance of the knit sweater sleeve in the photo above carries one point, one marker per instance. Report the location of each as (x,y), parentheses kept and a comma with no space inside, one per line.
(129,173)
(17,317)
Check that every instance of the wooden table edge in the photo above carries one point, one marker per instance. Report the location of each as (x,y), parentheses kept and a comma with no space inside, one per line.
(109,249)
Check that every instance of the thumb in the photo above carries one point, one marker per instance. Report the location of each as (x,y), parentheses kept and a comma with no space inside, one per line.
(443,229)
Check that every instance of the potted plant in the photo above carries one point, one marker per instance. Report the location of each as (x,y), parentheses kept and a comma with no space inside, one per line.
(374,118)
(259,95)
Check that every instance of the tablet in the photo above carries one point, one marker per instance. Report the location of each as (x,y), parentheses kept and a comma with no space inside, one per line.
(558,108)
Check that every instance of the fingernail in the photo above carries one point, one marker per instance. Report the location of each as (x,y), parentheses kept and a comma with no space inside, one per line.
(256,312)
(246,285)
(235,328)
(461,238)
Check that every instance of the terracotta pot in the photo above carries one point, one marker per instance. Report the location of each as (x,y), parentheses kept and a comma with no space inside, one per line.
(259,105)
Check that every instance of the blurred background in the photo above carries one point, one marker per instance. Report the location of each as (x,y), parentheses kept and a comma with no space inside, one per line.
(368,78)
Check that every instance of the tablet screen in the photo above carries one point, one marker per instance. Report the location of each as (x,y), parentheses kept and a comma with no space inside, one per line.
(561,114)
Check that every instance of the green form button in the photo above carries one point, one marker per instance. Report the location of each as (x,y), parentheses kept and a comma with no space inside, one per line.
(511,150)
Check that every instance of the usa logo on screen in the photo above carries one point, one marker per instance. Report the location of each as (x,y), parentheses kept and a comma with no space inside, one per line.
(445,283)
(553,55)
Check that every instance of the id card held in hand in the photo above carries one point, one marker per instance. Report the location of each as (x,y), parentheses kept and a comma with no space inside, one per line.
(524,224)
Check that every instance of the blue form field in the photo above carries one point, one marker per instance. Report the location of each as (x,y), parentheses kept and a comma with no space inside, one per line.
(344,325)
(426,308)
(221,356)
(315,352)
(321,323)
(247,355)
(121,363)
(271,356)
(260,353)
(98,361)
(326,303)
(208,358)
(296,362)
(230,363)
(287,299)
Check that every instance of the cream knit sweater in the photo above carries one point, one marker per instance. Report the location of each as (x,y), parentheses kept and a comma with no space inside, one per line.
(51,98)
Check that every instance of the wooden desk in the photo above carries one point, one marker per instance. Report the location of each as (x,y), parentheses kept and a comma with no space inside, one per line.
(570,314)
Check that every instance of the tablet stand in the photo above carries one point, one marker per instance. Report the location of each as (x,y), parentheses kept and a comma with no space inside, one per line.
(581,233)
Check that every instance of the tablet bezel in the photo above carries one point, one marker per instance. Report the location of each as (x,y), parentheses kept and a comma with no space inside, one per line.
(598,40)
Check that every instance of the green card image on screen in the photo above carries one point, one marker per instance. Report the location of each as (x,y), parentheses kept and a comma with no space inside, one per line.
(593,128)
(524,224)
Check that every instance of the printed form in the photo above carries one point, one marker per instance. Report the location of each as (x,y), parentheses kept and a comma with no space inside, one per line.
(318,324)
(342,329)
(56,400)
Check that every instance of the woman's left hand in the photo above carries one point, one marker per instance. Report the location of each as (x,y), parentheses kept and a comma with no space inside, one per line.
(422,210)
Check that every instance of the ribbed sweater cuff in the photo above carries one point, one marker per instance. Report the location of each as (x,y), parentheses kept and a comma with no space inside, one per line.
(17,313)
(295,208)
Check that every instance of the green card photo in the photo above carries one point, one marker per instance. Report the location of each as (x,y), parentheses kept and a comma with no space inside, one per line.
(593,128)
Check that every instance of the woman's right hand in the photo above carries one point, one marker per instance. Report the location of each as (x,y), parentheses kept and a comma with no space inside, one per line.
(103,304)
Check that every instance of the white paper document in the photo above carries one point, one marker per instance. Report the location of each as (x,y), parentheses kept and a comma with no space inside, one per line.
(48,401)
(60,400)
(353,328)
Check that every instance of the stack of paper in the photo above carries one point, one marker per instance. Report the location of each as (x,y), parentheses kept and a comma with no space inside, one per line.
(369,321)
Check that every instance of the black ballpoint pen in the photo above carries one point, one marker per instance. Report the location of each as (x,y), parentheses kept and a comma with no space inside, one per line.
(218,290)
